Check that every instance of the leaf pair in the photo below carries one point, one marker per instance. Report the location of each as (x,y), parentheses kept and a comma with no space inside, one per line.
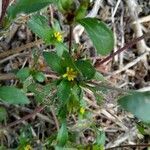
(59,64)
(24,73)
(99,33)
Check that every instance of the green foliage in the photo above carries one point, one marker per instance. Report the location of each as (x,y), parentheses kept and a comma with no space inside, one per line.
(74,71)
(77,92)
(67,61)
(23,74)
(5,23)
(39,76)
(54,61)
(85,67)
(62,136)
(100,138)
(100,34)
(60,48)
(99,77)
(141,129)
(2,147)
(27,6)
(13,95)
(98,147)
(81,11)
(137,103)
(39,25)
(25,136)
(75,98)
(65,5)
(3,114)
(51,35)
(42,93)
(64,89)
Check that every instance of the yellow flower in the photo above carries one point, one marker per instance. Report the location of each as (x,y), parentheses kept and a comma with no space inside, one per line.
(82,110)
(70,74)
(28,147)
(58,36)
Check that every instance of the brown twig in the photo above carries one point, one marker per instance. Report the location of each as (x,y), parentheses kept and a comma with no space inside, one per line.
(128,45)
(55,118)
(19,49)
(37,110)
(128,145)
(70,38)
(5,4)
(10,76)
(5,76)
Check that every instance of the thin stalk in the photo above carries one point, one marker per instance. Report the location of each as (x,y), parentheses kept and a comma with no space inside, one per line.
(4,6)
(37,110)
(70,38)
(129,145)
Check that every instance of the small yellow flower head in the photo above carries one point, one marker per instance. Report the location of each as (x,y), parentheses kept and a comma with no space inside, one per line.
(70,74)
(28,147)
(82,110)
(58,36)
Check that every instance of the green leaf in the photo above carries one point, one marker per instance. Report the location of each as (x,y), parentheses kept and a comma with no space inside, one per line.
(100,138)
(56,25)
(39,25)
(39,76)
(53,61)
(141,129)
(3,148)
(66,5)
(77,92)
(138,104)
(100,34)
(3,114)
(73,104)
(85,67)
(23,74)
(64,91)
(27,6)
(99,77)
(82,10)
(41,93)
(75,98)
(60,48)
(62,136)
(98,147)
(67,61)
(13,95)
(98,95)
(62,112)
